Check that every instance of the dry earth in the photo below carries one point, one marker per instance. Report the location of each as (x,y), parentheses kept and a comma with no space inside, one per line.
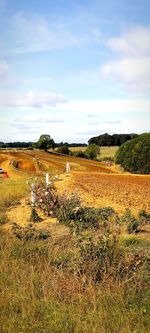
(97,184)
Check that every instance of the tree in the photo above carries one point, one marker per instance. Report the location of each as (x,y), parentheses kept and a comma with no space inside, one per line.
(92,151)
(45,141)
(134,155)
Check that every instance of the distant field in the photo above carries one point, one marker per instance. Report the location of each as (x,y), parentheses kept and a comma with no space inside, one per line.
(73,149)
(108,151)
(105,151)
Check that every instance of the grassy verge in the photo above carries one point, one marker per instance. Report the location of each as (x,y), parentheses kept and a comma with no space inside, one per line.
(78,283)
(43,292)
(10,193)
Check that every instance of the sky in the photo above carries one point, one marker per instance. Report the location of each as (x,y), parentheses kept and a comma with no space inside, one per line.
(74,69)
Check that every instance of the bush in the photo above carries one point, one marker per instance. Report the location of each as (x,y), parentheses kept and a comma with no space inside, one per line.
(3,219)
(79,153)
(46,199)
(92,151)
(134,155)
(29,232)
(63,150)
(132,226)
(99,256)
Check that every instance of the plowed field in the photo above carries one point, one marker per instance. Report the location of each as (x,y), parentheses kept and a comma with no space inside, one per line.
(97,184)
(118,191)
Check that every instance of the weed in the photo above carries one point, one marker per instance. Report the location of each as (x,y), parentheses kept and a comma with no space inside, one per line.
(34,216)
(3,219)
(29,232)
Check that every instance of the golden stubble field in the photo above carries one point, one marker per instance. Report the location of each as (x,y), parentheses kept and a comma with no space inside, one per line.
(97,184)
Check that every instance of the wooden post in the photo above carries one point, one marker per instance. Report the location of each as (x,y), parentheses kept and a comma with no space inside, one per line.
(67,167)
(47,179)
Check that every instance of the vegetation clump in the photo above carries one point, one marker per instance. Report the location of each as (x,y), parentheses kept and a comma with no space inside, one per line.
(29,232)
(134,155)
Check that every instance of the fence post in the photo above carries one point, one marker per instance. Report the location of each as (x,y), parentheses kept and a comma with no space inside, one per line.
(47,179)
(67,167)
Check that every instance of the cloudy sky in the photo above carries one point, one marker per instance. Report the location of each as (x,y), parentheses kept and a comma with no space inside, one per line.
(74,69)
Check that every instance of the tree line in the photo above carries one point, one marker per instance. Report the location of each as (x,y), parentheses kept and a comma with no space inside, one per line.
(111,140)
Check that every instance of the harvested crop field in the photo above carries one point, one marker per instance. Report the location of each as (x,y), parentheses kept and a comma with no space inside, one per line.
(118,191)
(97,184)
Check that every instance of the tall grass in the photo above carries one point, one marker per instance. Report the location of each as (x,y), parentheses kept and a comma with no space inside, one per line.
(40,295)
(46,286)
(11,191)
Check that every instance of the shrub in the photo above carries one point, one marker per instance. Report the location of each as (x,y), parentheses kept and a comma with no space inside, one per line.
(134,155)
(66,206)
(29,232)
(34,216)
(63,150)
(98,256)
(133,225)
(46,199)
(3,219)
(79,153)
(92,151)
(144,217)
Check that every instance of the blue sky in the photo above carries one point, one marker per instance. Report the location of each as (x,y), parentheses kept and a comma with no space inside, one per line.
(74,69)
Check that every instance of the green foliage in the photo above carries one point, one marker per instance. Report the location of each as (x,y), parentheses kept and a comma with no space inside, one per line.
(34,216)
(3,218)
(45,142)
(145,217)
(111,140)
(46,199)
(98,256)
(29,232)
(63,150)
(79,153)
(132,226)
(92,151)
(134,155)
(135,243)
(131,222)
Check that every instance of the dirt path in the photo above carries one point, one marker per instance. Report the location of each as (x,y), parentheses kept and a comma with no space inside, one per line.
(14,174)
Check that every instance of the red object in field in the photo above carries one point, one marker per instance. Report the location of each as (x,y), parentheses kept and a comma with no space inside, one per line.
(5,175)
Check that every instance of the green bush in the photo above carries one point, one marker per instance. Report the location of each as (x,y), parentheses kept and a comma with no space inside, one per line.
(3,219)
(29,232)
(63,150)
(79,153)
(134,155)
(92,151)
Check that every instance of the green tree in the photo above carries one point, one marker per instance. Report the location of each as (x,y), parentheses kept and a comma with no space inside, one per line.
(45,141)
(92,151)
(134,155)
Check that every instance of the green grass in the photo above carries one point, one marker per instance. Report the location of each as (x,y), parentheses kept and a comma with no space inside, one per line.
(106,152)
(11,191)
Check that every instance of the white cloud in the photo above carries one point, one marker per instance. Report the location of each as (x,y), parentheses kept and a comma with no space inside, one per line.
(35,34)
(39,119)
(107,106)
(30,99)
(135,42)
(132,65)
